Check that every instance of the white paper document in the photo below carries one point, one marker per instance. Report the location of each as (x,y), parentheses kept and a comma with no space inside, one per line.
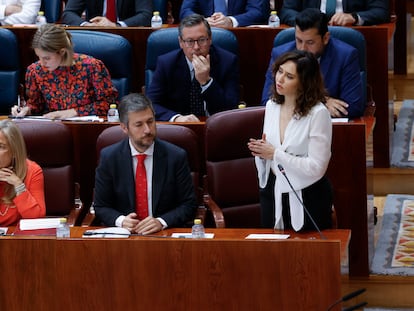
(39,223)
(340,120)
(268,236)
(110,232)
(189,236)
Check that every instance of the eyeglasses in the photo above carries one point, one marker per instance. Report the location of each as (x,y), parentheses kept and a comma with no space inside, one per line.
(190,42)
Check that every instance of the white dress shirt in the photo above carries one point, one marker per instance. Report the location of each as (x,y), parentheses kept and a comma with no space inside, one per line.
(149,161)
(27,15)
(304,154)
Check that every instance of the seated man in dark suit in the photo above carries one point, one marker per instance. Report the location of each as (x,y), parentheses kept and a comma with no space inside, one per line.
(122,13)
(228,13)
(142,183)
(197,80)
(338,61)
(350,12)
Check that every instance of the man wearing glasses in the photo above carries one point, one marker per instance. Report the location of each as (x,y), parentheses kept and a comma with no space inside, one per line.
(197,80)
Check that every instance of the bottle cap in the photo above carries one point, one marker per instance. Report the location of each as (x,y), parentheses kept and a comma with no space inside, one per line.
(63,220)
(197,221)
(273,12)
(41,13)
(156,13)
(112,106)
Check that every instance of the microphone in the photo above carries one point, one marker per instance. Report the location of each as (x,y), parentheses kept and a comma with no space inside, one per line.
(357,306)
(350,296)
(282,170)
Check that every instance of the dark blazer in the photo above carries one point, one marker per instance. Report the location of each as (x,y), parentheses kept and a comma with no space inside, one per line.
(131,12)
(169,89)
(371,11)
(246,12)
(340,68)
(173,196)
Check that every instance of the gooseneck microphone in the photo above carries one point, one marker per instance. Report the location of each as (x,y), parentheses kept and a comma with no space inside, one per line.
(282,170)
(347,297)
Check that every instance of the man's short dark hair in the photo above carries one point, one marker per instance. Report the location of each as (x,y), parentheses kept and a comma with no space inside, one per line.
(312,18)
(193,20)
(132,103)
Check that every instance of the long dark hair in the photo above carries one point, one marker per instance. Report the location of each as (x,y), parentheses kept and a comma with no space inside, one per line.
(311,88)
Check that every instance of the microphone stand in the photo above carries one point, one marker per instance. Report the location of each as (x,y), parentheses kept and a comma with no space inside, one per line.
(282,170)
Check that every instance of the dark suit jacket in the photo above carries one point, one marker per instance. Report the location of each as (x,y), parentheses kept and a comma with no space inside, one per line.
(173,196)
(169,89)
(131,12)
(246,12)
(340,68)
(371,11)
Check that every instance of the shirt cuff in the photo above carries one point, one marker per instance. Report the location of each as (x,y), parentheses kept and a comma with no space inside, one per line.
(122,24)
(174,117)
(163,223)
(205,86)
(234,21)
(119,221)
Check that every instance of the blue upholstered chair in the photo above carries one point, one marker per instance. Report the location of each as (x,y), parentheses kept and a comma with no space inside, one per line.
(52,9)
(9,70)
(165,40)
(345,34)
(114,50)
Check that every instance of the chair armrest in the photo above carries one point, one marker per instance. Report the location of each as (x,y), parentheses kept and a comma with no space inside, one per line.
(89,218)
(75,213)
(215,211)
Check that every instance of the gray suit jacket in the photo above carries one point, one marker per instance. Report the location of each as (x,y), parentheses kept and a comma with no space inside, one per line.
(371,11)
(131,12)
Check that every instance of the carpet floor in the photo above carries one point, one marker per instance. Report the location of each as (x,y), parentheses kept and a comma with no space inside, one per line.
(394,249)
(403,138)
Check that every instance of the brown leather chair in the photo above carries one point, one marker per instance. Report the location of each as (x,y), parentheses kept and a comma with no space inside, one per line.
(181,136)
(50,144)
(231,177)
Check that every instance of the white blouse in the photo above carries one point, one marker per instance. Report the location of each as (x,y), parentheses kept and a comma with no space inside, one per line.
(304,154)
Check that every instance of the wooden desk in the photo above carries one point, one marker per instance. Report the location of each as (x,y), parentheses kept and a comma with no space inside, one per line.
(255,45)
(170,274)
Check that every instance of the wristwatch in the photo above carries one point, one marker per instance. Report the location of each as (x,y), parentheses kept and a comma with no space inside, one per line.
(356,18)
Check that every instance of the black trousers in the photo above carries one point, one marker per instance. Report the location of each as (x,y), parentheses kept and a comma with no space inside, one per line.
(317,199)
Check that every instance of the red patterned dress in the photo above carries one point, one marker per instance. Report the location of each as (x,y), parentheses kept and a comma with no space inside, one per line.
(85,86)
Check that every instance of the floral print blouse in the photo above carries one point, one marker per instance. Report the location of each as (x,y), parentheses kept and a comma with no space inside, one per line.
(85,86)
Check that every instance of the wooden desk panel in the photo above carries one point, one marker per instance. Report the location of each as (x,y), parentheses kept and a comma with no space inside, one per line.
(169,274)
(255,46)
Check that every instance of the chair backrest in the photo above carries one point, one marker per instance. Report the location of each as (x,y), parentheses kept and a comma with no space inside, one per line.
(9,70)
(348,35)
(52,9)
(113,50)
(50,145)
(165,40)
(178,135)
(231,178)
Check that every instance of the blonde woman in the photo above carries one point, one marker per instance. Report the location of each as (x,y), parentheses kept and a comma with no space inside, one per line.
(21,180)
(63,84)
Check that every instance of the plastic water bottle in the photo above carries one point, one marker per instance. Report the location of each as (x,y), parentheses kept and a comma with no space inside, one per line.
(156,20)
(63,230)
(113,114)
(274,20)
(40,18)
(197,231)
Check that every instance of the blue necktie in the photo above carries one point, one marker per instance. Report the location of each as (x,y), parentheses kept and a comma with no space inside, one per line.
(220,6)
(330,7)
